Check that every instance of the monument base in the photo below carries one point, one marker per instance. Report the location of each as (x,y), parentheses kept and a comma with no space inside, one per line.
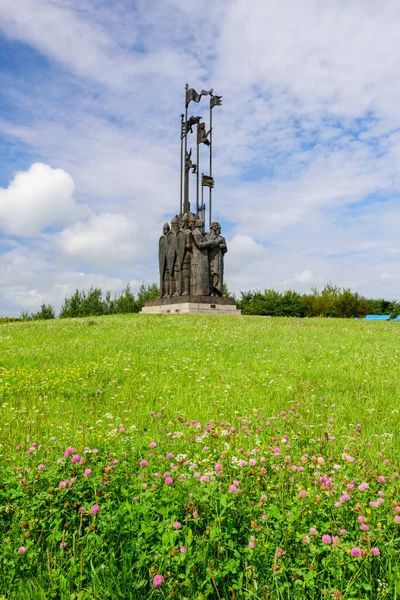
(200,305)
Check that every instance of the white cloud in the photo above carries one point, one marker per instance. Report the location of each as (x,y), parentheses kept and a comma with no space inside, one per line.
(54,27)
(54,30)
(303,277)
(110,166)
(103,240)
(243,252)
(329,180)
(318,54)
(36,199)
(28,278)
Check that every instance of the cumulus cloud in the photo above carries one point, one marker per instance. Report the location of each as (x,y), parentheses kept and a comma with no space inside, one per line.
(244,251)
(38,198)
(103,240)
(28,278)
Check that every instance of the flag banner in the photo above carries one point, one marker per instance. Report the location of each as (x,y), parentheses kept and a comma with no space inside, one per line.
(215,101)
(187,127)
(202,135)
(207,181)
(193,95)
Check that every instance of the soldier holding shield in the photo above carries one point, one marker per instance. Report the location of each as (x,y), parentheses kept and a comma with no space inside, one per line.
(162,262)
(187,254)
(171,256)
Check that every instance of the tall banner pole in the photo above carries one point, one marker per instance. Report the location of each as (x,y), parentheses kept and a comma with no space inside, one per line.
(203,212)
(210,197)
(182,131)
(186,200)
(197,171)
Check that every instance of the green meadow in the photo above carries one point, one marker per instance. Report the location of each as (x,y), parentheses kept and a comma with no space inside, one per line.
(199,457)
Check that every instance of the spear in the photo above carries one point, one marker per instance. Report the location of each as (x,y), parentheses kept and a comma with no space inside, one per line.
(214,101)
(182,131)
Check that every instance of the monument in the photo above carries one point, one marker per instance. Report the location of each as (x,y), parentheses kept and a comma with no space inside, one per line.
(191,260)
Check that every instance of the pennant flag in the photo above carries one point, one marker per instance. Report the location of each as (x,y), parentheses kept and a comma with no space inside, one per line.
(187,127)
(215,101)
(202,135)
(207,181)
(193,95)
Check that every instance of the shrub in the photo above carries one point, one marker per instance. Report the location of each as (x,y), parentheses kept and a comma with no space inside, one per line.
(92,303)
(46,312)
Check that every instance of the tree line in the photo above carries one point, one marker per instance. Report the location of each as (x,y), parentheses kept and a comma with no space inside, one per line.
(332,301)
(84,303)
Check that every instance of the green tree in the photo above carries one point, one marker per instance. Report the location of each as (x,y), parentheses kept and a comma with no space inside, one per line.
(227,294)
(292,305)
(46,312)
(258,303)
(149,292)
(26,316)
(72,306)
(347,304)
(125,302)
(93,303)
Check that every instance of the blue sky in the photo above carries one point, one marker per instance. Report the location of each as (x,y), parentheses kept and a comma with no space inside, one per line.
(307,142)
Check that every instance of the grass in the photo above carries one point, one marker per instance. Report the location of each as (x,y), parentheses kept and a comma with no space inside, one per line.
(215,382)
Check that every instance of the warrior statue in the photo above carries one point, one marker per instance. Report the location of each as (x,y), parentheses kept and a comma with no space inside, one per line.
(216,259)
(187,255)
(162,261)
(200,280)
(179,252)
(192,221)
(191,261)
(172,257)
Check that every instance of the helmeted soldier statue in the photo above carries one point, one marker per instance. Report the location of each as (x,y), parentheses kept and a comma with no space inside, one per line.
(162,261)
(187,255)
(216,259)
(200,270)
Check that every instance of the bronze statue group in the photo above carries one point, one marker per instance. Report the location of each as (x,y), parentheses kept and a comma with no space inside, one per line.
(191,261)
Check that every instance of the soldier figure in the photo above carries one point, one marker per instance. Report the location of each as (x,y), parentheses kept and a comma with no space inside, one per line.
(216,259)
(162,261)
(179,250)
(200,280)
(187,255)
(175,224)
(172,257)
(192,221)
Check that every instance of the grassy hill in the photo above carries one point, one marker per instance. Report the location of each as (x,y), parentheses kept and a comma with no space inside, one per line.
(221,442)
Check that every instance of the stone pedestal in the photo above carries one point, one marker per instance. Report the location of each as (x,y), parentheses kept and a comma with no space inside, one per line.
(200,305)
